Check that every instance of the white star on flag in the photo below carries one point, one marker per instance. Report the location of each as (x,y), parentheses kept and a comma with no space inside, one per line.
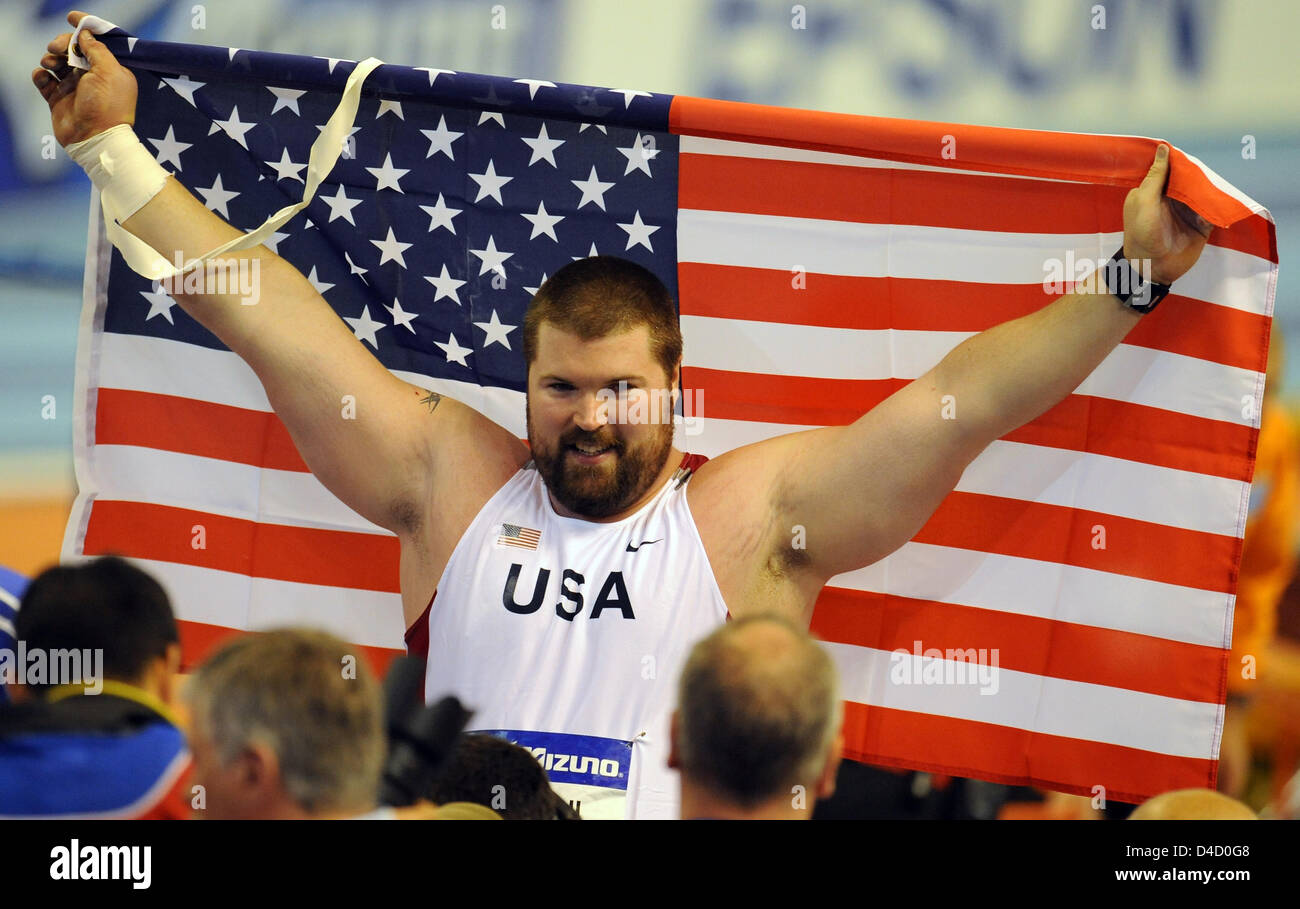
(593,189)
(233,127)
(387,177)
(628,94)
(534,85)
(160,304)
(315,282)
(446,285)
(487,115)
(497,332)
(532,291)
(543,147)
(287,170)
(392,249)
(366,328)
(590,253)
(543,222)
(390,107)
(435,73)
(489,183)
(286,98)
(492,258)
(401,316)
(169,149)
(638,156)
(454,351)
(340,205)
(216,196)
(440,139)
(440,215)
(355,268)
(638,232)
(184,86)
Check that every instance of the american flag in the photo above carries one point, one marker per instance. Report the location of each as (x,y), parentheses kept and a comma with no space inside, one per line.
(821,262)
(523,537)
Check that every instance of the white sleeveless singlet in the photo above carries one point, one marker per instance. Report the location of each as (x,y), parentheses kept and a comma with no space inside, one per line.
(567,636)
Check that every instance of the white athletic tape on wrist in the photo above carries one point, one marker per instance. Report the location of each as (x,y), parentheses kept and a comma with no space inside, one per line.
(148,262)
(121,168)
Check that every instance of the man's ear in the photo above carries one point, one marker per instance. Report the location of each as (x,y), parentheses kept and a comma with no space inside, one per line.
(259,769)
(826,783)
(167,680)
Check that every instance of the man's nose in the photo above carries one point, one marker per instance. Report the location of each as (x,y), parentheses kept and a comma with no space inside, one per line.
(592,412)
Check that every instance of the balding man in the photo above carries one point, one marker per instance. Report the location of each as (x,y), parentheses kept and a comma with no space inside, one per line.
(758,729)
(1192,805)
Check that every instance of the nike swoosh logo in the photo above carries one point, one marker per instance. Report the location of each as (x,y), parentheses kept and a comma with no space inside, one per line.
(631,548)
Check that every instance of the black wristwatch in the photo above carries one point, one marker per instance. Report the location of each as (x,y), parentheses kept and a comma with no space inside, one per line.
(1123,281)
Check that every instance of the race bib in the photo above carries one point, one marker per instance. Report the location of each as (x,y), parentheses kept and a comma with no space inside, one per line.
(589,772)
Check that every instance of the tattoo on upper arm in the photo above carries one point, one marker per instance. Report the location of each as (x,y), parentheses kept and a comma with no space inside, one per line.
(432,400)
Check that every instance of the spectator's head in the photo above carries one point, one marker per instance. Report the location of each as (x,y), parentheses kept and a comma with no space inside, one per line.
(488,770)
(603,346)
(757,731)
(286,724)
(107,612)
(1192,805)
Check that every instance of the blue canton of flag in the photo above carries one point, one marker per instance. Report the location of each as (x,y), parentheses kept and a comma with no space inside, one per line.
(455,197)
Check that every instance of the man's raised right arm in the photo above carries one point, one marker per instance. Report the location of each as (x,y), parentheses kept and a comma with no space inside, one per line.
(382,460)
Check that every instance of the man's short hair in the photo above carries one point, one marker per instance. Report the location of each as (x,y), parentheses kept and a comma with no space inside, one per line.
(601,295)
(107,604)
(488,770)
(758,710)
(307,696)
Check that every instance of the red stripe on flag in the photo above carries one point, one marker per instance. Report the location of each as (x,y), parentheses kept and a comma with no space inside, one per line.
(199,640)
(305,555)
(1054,533)
(1023,643)
(1003,754)
(1181,325)
(1254,236)
(1149,435)
(878,195)
(1104,160)
(194,427)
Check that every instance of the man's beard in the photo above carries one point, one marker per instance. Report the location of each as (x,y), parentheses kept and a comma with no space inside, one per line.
(594,491)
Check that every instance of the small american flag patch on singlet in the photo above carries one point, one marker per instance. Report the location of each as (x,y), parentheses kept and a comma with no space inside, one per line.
(523,537)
